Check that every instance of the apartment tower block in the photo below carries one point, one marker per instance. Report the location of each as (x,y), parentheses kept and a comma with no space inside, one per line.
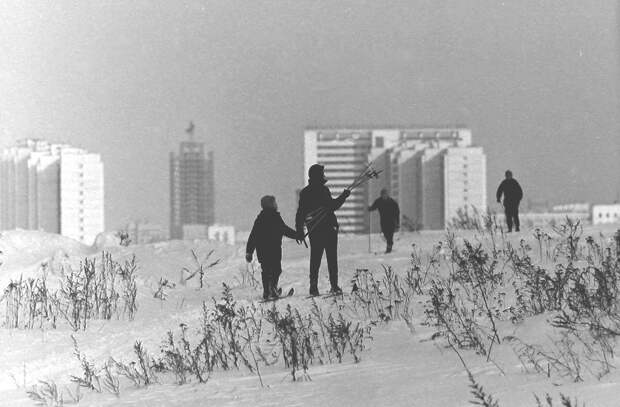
(431,172)
(56,188)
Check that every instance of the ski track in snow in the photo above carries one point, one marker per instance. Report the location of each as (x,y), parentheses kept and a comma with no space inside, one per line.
(398,368)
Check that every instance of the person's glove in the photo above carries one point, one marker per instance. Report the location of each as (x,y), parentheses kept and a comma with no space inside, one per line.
(301,239)
(248,257)
(346,193)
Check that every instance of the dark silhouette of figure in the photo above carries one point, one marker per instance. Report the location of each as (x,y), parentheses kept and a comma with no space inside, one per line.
(513,194)
(323,227)
(266,238)
(389,213)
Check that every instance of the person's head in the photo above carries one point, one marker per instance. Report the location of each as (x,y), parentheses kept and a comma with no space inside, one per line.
(384,193)
(316,174)
(269,202)
(508,174)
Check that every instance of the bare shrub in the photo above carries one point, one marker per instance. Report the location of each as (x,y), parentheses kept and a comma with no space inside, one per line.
(93,291)
(200,268)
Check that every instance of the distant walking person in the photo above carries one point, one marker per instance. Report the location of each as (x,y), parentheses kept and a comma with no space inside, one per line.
(266,238)
(513,194)
(389,213)
(323,232)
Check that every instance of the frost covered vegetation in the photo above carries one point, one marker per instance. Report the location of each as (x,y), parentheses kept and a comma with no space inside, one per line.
(470,295)
(103,289)
(230,336)
(574,280)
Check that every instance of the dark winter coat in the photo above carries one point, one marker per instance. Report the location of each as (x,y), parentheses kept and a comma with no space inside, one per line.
(511,190)
(314,196)
(389,213)
(266,236)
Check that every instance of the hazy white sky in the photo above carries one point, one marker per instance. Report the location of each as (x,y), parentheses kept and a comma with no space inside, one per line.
(536,80)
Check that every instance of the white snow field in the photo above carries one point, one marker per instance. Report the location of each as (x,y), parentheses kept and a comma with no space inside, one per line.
(401,366)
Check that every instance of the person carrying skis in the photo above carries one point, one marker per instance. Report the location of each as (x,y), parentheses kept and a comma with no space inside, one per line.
(316,210)
(389,213)
(266,238)
(513,194)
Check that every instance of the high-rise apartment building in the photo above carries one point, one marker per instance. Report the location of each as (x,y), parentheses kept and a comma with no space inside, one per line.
(52,187)
(344,154)
(430,172)
(192,191)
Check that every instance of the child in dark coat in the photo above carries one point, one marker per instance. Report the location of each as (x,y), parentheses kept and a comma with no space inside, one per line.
(266,238)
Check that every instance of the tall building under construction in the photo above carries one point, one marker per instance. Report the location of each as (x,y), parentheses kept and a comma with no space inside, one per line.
(431,172)
(192,191)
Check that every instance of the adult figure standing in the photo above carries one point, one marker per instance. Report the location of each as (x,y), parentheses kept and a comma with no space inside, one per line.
(513,194)
(323,226)
(389,213)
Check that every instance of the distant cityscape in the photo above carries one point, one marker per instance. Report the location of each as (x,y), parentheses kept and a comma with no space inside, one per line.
(434,173)
(430,172)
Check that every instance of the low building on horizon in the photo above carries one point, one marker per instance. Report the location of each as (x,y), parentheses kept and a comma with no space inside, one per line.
(222,233)
(144,232)
(217,232)
(606,214)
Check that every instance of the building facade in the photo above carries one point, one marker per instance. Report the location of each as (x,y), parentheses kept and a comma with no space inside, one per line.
(222,233)
(430,172)
(605,214)
(192,191)
(52,187)
(344,153)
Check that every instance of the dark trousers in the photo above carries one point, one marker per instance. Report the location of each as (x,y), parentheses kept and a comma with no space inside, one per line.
(324,240)
(270,274)
(388,233)
(512,215)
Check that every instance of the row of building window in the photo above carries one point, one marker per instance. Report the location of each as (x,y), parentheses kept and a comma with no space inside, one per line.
(608,215)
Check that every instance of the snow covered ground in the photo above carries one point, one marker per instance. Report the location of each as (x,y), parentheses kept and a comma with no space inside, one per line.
(399,367)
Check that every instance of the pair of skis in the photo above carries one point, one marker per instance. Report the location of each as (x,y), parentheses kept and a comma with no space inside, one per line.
(326,295)
(290,293)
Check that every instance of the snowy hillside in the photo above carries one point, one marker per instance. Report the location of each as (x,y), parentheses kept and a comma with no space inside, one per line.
(406,358)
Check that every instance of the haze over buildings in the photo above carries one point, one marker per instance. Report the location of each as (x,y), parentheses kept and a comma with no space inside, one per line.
(430,172)
(537,81)
(52,187)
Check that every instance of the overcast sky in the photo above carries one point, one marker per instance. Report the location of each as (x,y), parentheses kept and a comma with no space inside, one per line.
(536,80)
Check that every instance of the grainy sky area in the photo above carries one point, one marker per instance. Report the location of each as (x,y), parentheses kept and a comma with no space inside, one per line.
(536,80)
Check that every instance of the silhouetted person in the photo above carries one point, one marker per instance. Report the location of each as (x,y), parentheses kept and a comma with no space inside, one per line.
(513,194)
(322,226)
(389,213)
(266,238)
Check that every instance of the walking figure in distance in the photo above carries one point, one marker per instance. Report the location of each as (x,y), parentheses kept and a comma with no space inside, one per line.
(266,238)
(389,213)
(513,194)
(323,231)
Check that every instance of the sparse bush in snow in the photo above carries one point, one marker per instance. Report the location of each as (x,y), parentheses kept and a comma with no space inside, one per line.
(200,267)
(162,285)
(575,280)
(97,290)
(123,237)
